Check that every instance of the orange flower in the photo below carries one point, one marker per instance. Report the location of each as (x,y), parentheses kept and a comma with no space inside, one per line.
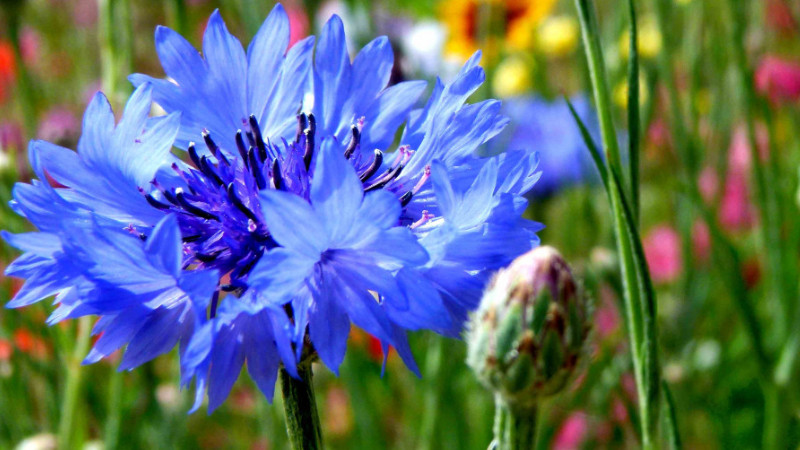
(461,17)
(26,342)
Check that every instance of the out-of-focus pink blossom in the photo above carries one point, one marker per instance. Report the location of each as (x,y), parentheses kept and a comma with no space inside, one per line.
(607,317)
(736,213)
(11,137)
(58,125)
(619,411)
(298,22)
(708,183)
(701,240)
(572,433)
(84,13)
(778,79)
(29,45)
(628,383)
(739,155)
(662,249)
(658,133)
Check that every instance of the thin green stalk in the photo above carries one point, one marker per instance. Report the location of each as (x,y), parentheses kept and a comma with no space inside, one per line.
(724,252)
(767,189)
(670,419)
(300,407)
(640,313)
(113,419)
(74,384)
(500,417)
(726,257)
(597,73)
(515,428)
(775,418)
(176,16)
(116,47)
(638,294)
(634,121)
(433,395)
(683,139)
(766,196)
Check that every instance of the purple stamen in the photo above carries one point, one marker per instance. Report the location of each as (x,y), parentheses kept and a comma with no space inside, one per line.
(212,146)
(239,203)
(193,155)
(241,147)
(309,134)
(377,160)
(385,179)
(181,197)
(301,127)
(355,140)
(277,179)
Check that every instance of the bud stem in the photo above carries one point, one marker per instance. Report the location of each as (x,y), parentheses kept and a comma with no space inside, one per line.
(300,406)
(514,427)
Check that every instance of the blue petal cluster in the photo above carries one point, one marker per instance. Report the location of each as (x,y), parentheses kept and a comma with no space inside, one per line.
(297,216)
(549,128)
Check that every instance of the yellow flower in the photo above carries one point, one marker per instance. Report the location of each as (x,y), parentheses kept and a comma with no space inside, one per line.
(621,93)
(461,18)
(511,78)
(649,39)
(558,36)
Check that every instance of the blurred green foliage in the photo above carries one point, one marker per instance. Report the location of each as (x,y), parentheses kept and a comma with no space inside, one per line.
(706,356)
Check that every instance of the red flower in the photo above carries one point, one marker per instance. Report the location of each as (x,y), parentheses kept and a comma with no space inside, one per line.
(8,68)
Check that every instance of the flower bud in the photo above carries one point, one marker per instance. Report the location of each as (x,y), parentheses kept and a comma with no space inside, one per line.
(525,339)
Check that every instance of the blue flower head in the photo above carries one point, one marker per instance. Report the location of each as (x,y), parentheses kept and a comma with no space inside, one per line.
(549,128)
(295,217)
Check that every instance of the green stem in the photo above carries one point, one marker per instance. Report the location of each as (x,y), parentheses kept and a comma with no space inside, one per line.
(775,418)
(300,406)
(116,47)
(515,428)
(597,72)
(111,431)
(500,418)
(640,310)
(176,16)
(670,419)
(72,391)
(433,394)
(633,112)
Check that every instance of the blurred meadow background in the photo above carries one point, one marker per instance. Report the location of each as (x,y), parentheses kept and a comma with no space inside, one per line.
(720,90)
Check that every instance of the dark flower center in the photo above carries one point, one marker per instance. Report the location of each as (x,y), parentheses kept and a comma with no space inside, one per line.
(217,203)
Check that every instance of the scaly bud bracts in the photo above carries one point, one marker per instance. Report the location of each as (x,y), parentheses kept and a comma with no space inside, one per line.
(525,339)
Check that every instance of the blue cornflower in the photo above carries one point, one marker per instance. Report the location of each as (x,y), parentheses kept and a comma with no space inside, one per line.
(548,127)
(295,218)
